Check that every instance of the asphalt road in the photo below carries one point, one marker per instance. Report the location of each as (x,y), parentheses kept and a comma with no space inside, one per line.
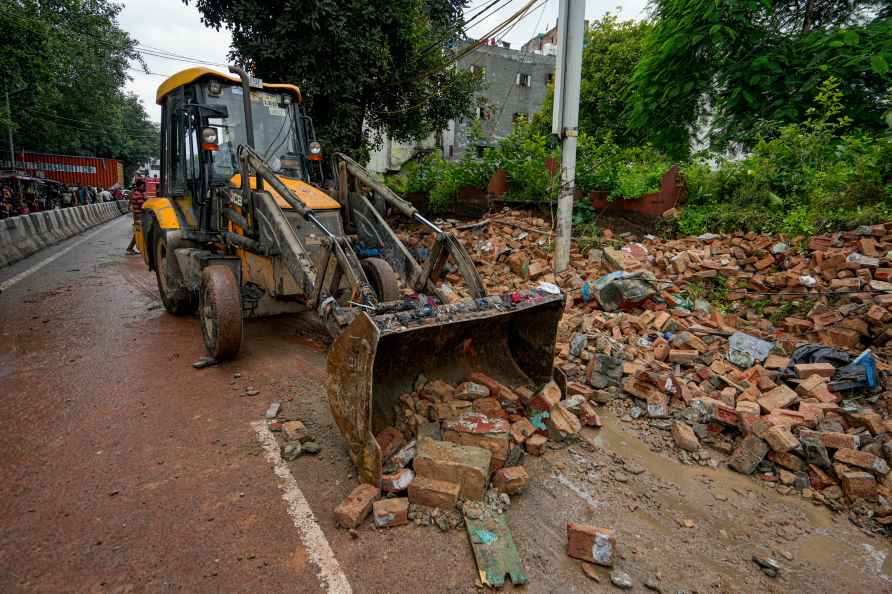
(126,470)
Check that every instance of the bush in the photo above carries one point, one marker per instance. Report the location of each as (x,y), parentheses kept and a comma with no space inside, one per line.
(807,180)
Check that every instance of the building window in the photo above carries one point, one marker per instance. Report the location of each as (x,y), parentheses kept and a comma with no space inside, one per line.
(481,70)
(549,78)
(520,117)
(523,80)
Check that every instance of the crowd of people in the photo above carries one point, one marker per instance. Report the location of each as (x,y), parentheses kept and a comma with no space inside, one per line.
(24,198)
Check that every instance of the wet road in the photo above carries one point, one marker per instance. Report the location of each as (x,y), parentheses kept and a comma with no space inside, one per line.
(126,470)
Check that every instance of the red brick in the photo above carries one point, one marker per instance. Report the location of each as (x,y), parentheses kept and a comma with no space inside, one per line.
(764,263)
(595,545)
(819,479)
(864,460)
(776,362)
(748,454)
(778,398)
(388,513)
(477,429)
(832,439)
(390,440)
(434,493)
(512,480)
(812,387)
(787,460)
(588,415)
(547,398)
(563,421)
(535,445)
(781,440)
(495,388)
(490,407)
(857,484)
(521,430)
(574,388)
(684,356)
(356,506)
(872,421)
(813,413)
(806,370)
(445,461)
(842,338)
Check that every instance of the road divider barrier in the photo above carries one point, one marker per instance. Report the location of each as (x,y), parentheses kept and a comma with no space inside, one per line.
(27,234)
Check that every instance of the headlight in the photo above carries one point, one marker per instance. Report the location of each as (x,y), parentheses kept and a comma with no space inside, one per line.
(209,136)
(315,151)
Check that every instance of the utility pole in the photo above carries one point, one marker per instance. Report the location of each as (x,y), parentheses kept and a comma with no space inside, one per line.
(565,118)
(9,130)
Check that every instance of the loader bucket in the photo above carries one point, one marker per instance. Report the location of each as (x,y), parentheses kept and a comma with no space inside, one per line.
(377,359)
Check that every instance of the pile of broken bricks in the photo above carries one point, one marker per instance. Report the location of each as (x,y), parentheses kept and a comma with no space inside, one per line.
(460,448)
(453,442)
(648,329)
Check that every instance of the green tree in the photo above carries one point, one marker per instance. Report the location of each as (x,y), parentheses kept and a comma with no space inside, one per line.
(65,64)
(362,65)
(748,67)
(612,51)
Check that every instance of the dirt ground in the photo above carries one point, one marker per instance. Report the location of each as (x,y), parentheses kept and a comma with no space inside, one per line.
(126,470)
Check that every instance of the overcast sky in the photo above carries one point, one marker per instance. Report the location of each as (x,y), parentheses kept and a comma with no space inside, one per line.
(175,27)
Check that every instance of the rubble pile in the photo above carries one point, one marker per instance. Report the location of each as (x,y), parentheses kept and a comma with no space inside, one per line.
(765,353)
(462,443)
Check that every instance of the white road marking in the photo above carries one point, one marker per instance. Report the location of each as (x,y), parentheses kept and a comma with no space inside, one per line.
(28,272)
(311,535)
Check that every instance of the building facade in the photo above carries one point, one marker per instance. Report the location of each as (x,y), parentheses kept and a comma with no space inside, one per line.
(515,84)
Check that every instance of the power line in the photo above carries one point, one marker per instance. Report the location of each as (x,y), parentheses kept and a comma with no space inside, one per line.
(522,63)
(519,15)
(475,47)
(87,122)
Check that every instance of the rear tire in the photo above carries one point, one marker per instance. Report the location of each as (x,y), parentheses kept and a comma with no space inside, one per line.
(383,279)
(177,299)
(220,312)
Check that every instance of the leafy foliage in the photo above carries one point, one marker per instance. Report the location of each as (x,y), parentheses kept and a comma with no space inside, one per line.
(749,67)
(357,61)
(809,178)
(612,50)
(64,63)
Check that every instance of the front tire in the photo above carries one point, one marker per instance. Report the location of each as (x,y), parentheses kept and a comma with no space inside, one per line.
(220,312)
(177,299)
(383,279)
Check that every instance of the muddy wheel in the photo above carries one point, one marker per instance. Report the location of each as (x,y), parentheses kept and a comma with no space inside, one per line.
(220,312)
(177,299)
(383,279)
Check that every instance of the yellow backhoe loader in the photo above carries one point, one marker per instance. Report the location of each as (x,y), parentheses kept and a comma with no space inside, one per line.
(244,226)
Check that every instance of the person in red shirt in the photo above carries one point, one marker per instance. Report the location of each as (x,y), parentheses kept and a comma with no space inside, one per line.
(137,197)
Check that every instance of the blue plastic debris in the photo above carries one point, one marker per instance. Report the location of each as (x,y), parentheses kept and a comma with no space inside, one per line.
(484,536)
(538,420)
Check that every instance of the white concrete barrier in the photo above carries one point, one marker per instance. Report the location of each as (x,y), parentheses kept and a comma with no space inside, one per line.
(24,235)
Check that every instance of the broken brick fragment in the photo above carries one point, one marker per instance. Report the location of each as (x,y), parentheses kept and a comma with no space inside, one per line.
(512,480)
(356,506)
(388,513)
(434,493)
(588,543)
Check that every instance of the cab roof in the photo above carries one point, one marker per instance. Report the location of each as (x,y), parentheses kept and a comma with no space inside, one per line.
(190,75)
